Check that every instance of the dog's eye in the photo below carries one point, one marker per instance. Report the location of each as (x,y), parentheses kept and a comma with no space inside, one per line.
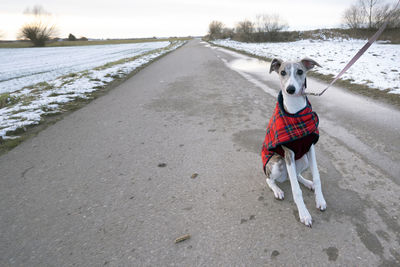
(300,72)
(283,73)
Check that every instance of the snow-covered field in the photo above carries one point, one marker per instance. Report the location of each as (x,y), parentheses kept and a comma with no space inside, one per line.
(96,66)
(26,66)
(378,68)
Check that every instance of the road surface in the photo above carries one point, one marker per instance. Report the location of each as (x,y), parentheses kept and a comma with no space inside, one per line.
(175,150)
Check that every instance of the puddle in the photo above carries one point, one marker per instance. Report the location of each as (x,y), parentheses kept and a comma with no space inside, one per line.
(251,65)
(252,70)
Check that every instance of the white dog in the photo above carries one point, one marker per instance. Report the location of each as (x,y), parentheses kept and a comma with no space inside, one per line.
(288,148)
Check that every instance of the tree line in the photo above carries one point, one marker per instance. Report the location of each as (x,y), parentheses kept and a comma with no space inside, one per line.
(361,16)
(264,28)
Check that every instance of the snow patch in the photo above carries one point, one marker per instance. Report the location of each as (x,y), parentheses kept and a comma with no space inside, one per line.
(378,68)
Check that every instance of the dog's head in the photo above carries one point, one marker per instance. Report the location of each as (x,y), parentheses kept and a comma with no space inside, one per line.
(292,74)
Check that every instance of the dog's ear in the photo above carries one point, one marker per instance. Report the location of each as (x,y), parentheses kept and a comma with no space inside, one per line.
(308,63)
(275,65)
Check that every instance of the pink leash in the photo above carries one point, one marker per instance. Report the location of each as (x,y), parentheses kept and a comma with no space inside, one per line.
(359,53)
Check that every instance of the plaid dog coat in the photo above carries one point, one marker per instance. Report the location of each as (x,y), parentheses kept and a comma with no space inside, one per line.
(296,131)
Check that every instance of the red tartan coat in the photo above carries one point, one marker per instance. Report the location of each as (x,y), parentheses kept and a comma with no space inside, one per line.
(296,131)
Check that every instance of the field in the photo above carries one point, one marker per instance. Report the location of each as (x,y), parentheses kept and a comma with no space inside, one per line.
(26,44)
(40,82)
(378,68)
(27,66)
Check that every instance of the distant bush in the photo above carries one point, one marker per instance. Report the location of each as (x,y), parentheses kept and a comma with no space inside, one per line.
(39,30)
(83,38)
(215,29)
(71,37)
(244,31)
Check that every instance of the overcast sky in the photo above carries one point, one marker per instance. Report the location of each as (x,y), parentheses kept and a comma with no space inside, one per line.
(147,18)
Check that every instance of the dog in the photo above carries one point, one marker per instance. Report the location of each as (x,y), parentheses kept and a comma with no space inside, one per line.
(292,133)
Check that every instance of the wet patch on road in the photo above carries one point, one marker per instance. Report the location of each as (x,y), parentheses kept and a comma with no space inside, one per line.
(252,139)
(349,198)
(383,234)
(332,253)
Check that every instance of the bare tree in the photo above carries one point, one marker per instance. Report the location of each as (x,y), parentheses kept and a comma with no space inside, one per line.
(369,8)
(36,10)
(353,17)
(270,23)
(215,29)
(268,27)
(244,30)
(370,14)
(387,12)
(394,19)
(40,29)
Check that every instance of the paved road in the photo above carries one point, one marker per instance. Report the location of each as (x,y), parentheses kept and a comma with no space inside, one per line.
(111,184)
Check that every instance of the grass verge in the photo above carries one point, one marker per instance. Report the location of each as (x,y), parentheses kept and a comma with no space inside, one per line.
(363,90)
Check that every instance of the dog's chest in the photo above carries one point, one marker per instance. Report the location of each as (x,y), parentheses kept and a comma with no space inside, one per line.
(299,147)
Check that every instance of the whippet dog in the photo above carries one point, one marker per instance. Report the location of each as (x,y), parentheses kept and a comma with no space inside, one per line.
(283,158)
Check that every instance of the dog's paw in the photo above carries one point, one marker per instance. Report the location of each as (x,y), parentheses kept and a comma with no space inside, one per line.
(279,194)
(305,217)
(309,185)
(320,203)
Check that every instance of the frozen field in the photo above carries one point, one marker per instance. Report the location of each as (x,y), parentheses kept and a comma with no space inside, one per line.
(38,87)
(378,68)
(26,66)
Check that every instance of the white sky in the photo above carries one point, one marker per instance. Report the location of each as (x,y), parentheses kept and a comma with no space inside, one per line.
(147,18)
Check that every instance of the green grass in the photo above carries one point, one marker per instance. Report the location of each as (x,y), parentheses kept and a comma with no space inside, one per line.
(7,100)
(24,44)
(7,145)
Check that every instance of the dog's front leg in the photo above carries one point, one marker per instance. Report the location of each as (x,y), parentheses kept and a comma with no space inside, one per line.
(304,215)
(319,197)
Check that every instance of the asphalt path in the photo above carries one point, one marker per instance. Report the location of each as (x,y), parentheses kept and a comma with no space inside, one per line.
(175,150)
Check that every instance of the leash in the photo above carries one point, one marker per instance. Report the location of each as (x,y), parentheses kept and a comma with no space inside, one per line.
(360,52)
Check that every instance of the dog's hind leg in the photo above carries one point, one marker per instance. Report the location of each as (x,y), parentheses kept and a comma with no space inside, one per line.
(275,172)
(304,215)
(319,198)
(278,193)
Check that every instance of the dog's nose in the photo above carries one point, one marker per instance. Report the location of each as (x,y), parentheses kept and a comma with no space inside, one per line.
(290,89)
